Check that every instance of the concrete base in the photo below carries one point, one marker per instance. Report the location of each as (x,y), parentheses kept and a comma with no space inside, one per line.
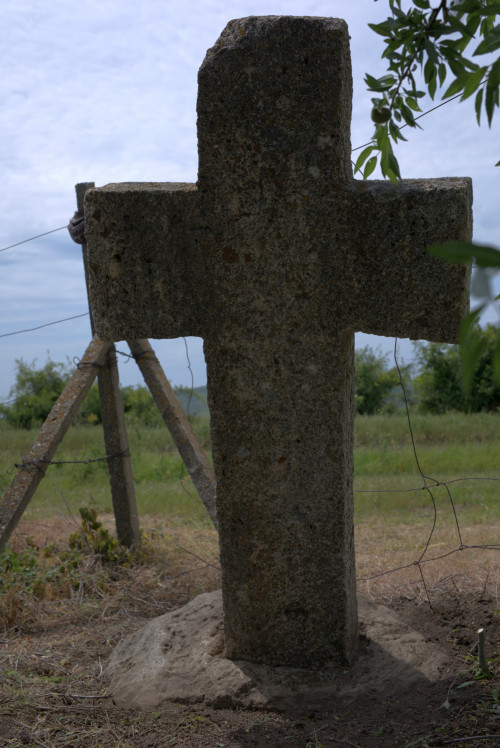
(180,657)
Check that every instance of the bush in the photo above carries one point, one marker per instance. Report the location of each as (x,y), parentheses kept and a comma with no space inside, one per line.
(35,392)
(375,383)
(439,384)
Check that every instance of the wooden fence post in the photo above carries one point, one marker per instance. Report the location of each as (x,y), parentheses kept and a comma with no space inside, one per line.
(115,432)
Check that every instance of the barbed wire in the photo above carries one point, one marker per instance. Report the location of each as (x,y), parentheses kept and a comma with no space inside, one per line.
(37,462)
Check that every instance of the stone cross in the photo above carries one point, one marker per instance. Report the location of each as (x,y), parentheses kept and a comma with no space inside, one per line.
(276,257)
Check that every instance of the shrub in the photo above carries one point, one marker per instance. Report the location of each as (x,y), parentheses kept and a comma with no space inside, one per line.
(439,384)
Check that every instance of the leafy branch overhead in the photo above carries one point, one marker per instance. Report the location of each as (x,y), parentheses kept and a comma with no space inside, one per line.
(431,42)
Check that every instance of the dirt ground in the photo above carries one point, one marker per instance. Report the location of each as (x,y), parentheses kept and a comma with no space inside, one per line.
(53,653)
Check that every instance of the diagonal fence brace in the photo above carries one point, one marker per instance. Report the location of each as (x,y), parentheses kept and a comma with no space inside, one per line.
(186,441)
(34,466)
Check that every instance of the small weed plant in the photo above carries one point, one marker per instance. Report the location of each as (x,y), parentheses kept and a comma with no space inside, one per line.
(52,573)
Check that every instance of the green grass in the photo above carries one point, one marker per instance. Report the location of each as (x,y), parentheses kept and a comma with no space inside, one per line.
(448,447)
(162,484)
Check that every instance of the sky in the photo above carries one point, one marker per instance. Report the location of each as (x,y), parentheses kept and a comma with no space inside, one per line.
(105,91)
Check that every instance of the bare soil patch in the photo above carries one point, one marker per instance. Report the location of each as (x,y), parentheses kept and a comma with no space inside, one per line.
(53,651)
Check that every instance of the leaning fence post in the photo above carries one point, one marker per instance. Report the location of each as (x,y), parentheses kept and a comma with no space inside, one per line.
(195,459)
(113,422)
(32,469)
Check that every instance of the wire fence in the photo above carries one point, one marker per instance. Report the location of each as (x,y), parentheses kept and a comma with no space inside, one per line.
(428,485)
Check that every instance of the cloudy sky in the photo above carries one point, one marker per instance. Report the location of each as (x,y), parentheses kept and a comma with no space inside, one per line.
(105,91)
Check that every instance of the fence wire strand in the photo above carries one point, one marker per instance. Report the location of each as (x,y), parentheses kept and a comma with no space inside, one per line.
(429,483)
(426,487)
(47,324)
(32,238)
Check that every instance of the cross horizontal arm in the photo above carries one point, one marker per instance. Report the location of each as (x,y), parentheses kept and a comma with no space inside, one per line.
(146,277)
(398,287)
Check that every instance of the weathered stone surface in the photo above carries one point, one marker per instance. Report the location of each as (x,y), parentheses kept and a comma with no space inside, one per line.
(180,657)
(276,257)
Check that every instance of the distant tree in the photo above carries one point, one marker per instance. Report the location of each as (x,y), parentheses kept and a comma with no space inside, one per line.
(374,382)
(439,384)
(35,392)
(138,403)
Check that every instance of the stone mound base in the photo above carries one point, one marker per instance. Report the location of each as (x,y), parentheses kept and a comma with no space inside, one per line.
(180,657)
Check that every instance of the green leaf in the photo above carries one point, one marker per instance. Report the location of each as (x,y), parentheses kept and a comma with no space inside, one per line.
(429,70)
(458,26)
(362,157)
(473,83)
(408,116)
(395,132)
(423,4)
(382,137)
(497,163)
(438,29)
(413,104)
(491,10)
(432,85)
(473,22)
(467,6)
(489,44)
(494,74)
(384,28)
(431,50)
(477,104)
(491,101)
(389,165)
(486,256)
(462,252)
(442,73)
(379,84)
(370,167)
(457,86)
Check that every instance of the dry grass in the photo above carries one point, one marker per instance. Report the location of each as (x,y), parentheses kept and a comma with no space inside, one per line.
(55,646)
(380,550)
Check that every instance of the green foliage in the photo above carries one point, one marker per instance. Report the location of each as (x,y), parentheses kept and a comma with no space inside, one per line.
(486,260)
(35,392)
(374,383)
(431,41)
(36,573)
(90,409)
(94,539)
(53,573)
(440,383)
(139,404)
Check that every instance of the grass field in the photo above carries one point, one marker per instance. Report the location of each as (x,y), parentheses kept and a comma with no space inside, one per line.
(449,447)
